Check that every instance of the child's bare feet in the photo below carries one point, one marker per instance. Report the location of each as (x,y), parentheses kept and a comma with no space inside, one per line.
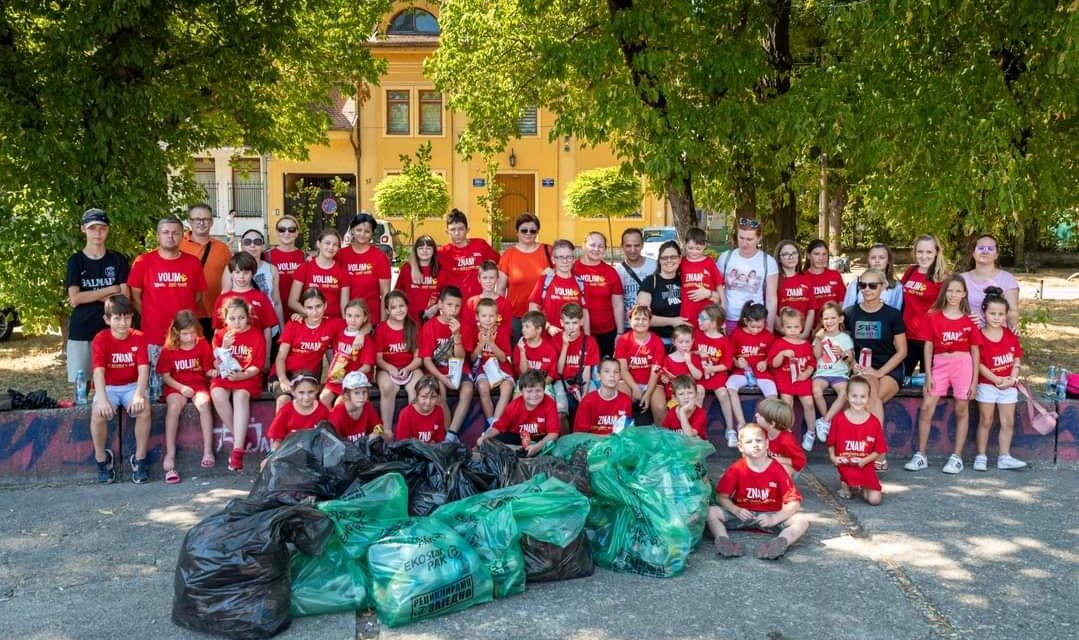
(728,548)
(773,549)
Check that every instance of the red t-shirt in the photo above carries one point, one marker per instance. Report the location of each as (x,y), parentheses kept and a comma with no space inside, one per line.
(288,420)
(308,345)
(698,420)
(168,287)
(422,294)
(262,314)
(573,353)
(365,270)
(598,416)
(641,359)
(249,349)
(762,491)
(119,358)
(717,351)
(919,293)
(393,346)
(754,348)
(702,273)
(433,335)
(503,317)
(785,445)
(601,282)
(502,341)
(425,428)
(999,357)
(543,357)
(953,335)
(460,265)
(560,292)
(342,347)
(328,280)
(537,422)
(354,428)
(855,441)
(187,366)
(794,292)
(286,263)
(826,286)
(803,357)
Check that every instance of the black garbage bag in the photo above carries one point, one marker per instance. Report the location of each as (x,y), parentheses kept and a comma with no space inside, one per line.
(312,463)
(494,464)
(574,472)
(435,473)
(545,562)
(232,578)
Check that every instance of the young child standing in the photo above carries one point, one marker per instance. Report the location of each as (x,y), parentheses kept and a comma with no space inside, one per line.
(492,343)
(441,340)
(717,358)
(750,343)
(121,373)
(854,444)
(304,412)
(303,345)
(791,357)
(535,351)
(186,365)
(687,416)
(354,417)
(423,419)
(950,354)
(353,349)
(834,351)
(702,283)
(605,410)
(682,360)
(529,416)
(396,354)
(640,354)
(756,493)
(247,348)
(777,417)
(998,373)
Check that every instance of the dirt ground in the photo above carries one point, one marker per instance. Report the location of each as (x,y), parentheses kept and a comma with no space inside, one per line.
(1049,302)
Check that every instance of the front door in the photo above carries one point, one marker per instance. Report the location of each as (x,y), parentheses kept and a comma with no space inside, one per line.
(518,196)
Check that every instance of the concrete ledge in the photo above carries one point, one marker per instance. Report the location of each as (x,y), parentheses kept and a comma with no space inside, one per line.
(51,444)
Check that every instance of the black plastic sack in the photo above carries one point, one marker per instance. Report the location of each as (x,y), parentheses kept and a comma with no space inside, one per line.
(574,472)
(435,473)
(312,463)
(232,577)
(545,562)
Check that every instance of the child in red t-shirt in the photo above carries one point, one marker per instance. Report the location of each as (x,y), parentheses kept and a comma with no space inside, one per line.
(242,268)
(717,357)
(578,354)
(489,277)
(441,340)
(186,365)
(998,370)
(396,354)
(240,350)
(687,416)
(354,417)
(121,374)
(492,344)
(304,412)
(791,359)
(605,410)
(777,417)
(303,345)
(702,283)
(353,350)
(640,353)
(756,493)
(534,350)
(529,416)
(750,343)
(855,442)
(682,360)
(423,419)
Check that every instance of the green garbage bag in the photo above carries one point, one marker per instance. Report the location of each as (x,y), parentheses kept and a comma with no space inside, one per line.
(361,516)
(421,568)
(331,583)
(565,446)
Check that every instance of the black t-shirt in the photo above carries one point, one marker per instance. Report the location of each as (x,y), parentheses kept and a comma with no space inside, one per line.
(90,275)
(666,298)
(876,331)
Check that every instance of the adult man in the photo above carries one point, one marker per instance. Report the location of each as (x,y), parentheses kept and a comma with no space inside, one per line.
(163,283)
(212,254)
(93,275)
(634,267)
(461,257)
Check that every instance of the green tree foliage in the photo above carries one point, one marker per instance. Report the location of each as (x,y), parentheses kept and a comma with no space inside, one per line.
(100,101)
(307,206)
(490,199)
(415,194)
(603,193)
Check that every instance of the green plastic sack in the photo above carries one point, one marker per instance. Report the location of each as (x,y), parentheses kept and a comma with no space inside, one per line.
(421,568)
(330,583)
(564,447)
(361,516)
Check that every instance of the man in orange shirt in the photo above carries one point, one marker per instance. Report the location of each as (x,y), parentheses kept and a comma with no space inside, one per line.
(214,256)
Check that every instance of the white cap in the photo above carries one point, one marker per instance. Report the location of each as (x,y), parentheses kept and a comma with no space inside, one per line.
(355,380)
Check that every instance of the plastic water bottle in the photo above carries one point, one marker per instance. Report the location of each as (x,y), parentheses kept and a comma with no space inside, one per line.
(80,388)
(1062,384)
(155,387)
(751,378)
(1051,381)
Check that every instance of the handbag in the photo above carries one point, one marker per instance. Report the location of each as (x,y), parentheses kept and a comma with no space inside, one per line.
(1042,420)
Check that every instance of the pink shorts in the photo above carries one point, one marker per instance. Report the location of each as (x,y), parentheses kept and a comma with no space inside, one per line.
(956,372)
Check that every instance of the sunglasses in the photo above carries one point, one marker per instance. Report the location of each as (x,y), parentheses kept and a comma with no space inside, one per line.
(748,223)
(287,229)
(253,242)
(869,285)
(528,231)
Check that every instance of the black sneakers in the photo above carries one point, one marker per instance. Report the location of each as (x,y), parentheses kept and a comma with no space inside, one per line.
(106,471)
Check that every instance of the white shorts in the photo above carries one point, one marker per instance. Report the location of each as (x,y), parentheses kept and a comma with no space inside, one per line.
(78,357)
(737,381)
(990,394)
(120,395)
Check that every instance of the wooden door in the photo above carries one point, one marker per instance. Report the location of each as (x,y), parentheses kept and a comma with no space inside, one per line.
(518,196)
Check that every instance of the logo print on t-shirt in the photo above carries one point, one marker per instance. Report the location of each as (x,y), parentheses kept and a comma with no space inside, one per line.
(868,330)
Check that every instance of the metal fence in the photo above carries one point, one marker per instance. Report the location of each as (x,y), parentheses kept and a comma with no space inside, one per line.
(247,199)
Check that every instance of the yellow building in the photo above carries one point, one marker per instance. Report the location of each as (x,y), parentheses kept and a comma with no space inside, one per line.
(404,110)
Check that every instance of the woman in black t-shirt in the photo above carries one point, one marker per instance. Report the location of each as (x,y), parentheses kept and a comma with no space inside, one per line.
(662,291)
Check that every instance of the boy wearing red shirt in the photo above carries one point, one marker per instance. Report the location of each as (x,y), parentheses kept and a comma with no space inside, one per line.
(441,340)
(605,410)
(777,417)
(423,420)
(702,283)
(459,258)
(354,417)
(529,416)
(121,362)
(488,275)
(242,267)
(534,351)
(577,354)
(756,493)
(855,441)
(688,417)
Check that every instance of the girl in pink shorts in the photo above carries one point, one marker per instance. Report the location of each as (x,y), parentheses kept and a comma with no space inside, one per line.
(950,353)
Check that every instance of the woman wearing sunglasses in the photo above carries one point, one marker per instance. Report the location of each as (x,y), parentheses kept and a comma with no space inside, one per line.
(986,272)
(286,257)
(750,274)
(524,264)
(266,278)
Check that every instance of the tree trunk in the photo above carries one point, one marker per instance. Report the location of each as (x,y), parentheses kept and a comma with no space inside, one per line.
(1019,247)
(837,202)
(680,195)
(784,212)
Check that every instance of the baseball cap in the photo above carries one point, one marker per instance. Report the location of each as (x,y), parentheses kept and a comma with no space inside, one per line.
(355,380)
(94,216)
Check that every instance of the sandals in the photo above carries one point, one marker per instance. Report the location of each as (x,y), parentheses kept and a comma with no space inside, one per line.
(172,476)
(208,461)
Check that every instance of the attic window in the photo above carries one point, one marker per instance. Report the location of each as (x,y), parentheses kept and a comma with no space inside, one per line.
(412,22)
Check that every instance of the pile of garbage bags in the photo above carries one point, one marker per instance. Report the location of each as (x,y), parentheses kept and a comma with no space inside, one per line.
(416,530)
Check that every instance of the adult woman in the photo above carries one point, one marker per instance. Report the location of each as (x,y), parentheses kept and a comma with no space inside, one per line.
(875,326)
(266,278)
(558,288)
(793,291)
(367,267)
(750,274)
(661,292)
(602,292)
(324,274)
(921,286)
(524,264)
(286,257)
(985,272)
(879,257)
(825,285)
(422,291)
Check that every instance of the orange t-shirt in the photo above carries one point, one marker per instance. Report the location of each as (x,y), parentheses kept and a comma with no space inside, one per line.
(213,269)
(522,270)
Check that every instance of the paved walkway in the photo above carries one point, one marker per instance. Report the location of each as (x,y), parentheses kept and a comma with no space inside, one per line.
(978,556)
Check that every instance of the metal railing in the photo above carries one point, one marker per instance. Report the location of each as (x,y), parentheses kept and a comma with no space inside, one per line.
(247,199)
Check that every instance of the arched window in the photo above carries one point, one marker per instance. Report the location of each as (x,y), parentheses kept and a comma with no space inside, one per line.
(414,22)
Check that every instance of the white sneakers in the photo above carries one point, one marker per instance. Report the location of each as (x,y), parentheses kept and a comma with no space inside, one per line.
(917,462)
(980,463)
(807,441)
(953,466)
(823,427)
(1009,463)
(732,438)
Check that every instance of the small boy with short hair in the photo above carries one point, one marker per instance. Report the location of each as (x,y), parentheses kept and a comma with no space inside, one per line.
(488,276)
(529,416)
(702,283)
(756,493)
(440,340)
(688,417)
(605,410)
(777,417)
(534,350)
(121,361)
(242,268)
(492,343)
(577,354)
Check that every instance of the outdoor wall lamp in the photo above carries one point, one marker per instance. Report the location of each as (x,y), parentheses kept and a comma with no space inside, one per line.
(565,142)
(513,158)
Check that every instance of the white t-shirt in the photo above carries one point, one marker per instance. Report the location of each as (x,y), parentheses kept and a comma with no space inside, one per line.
(630,286)
(745,279)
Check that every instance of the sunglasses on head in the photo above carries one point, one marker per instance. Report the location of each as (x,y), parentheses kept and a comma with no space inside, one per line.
(869,285)
(253,242)
(748,223)
(286,229)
